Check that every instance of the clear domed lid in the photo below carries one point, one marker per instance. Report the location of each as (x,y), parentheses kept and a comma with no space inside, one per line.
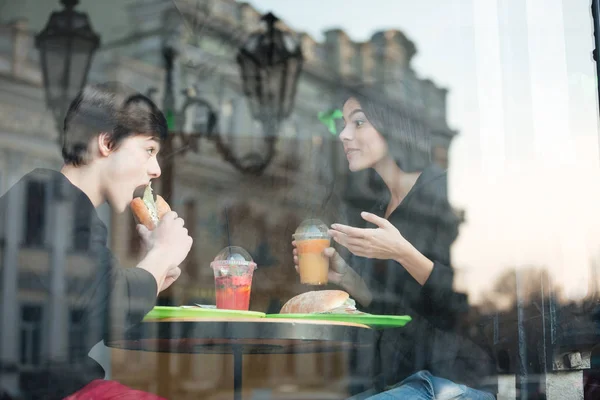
(233,255)
(312,228)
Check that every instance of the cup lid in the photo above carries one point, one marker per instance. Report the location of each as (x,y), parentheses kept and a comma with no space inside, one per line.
(233,256)
(312,228)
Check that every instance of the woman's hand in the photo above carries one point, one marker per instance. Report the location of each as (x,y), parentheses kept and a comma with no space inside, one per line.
(341,274)
(384,242)
(338,268)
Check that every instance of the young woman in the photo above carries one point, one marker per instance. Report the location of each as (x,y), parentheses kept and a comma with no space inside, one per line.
(401,261)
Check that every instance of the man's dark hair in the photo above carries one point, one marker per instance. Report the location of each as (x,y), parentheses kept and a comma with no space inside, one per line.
(112,108)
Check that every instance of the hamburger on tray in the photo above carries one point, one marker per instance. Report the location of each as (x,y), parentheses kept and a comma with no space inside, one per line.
(321,302)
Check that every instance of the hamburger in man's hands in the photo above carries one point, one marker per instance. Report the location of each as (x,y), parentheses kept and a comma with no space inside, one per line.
(149,209)
(321,302)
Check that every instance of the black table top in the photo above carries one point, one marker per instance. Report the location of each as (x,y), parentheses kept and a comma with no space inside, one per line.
(255,336)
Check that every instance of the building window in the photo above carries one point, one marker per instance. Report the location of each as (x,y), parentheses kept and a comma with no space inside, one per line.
(228,10)
(191,216)
(321,53)
(356,61)
(83,215)
(440,156)
(35,215)
(31,335)
(226,119)
(77,336)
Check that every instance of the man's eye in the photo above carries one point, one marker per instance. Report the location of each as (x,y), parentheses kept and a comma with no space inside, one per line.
(151,151)
(359,122)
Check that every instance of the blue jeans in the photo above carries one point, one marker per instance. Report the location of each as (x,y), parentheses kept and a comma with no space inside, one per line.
(424,386)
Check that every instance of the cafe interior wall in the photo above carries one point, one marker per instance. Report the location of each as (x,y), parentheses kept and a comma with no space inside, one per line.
(308,177)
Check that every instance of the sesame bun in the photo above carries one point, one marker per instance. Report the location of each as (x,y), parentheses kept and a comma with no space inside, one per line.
(319,301)
(149,212)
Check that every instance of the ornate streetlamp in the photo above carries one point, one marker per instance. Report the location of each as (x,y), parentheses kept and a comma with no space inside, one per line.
(66,45)
(270,63)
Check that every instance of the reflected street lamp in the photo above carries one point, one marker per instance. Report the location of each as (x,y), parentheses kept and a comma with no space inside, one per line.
(270,64)
(66,45)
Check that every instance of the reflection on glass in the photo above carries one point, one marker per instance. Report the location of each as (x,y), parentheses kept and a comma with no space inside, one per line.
(506,98)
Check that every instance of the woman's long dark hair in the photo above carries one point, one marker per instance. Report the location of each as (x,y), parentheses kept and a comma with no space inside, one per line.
(407,134)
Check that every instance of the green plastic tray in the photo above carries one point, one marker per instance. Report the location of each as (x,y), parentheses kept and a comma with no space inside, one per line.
(160,312)
(374,321)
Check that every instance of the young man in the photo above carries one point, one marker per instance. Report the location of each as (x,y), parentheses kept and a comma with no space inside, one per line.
(112,137)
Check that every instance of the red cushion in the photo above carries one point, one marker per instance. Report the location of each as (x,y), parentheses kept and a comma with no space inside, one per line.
(110,390)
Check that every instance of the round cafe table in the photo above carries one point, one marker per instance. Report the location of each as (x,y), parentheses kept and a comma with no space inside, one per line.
(239,336)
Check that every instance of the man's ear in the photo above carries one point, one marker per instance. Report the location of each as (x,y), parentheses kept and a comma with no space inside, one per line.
(105,144)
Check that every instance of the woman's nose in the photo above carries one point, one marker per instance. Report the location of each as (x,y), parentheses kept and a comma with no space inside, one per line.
(345,134)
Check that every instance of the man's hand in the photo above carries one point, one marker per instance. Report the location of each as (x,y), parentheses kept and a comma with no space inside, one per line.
(172,275)
(171,238)
(146,239)
(165,249)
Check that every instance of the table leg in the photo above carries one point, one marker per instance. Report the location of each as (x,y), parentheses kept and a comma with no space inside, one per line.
(237,372)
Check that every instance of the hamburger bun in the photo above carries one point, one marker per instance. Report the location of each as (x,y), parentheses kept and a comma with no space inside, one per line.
(147,210)
(320,301)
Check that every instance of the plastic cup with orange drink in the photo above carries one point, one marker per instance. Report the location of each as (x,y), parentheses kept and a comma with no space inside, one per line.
(311,239)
